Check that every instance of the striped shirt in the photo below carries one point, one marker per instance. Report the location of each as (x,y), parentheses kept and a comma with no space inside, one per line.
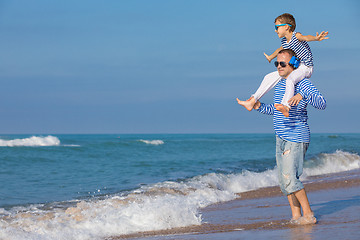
(301,48)
(294,128)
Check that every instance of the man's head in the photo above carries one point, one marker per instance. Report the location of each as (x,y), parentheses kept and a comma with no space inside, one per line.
(282,63)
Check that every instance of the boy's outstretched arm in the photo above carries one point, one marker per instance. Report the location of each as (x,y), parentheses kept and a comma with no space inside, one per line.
(309,38)
(274,54)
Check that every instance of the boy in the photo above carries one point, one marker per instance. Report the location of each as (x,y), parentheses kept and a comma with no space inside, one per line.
(285,29)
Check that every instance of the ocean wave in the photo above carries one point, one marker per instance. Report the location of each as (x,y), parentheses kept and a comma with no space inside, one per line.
(326,163)
(152,142)
(31,142)
(159,206)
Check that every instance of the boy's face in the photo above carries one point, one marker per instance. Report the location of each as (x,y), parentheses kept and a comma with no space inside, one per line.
(282,30)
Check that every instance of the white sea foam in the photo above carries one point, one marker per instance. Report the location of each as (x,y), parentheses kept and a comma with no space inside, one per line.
(154,207)
(31,142)
(71,145)
(152,142)
(160,206)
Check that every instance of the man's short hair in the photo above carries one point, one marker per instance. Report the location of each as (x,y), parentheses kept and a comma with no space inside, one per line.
(288,51)
(287,18)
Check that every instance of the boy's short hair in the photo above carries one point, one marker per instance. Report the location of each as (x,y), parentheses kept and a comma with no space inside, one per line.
(287,18)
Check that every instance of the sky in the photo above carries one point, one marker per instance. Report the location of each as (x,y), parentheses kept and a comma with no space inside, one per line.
(160,66)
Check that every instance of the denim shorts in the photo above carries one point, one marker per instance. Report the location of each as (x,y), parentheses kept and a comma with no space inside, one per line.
(289,159)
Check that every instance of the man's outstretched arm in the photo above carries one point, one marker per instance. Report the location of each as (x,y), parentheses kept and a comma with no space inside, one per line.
(264,108)
(312,95)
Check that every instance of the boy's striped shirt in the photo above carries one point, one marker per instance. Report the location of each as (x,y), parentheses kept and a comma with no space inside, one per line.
(294,128)
(301,48)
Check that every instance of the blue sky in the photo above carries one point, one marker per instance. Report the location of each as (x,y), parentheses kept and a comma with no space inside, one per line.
(164,66)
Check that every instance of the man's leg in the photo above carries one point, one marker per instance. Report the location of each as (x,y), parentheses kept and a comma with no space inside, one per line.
(289,159)
(308,215)
(295,206)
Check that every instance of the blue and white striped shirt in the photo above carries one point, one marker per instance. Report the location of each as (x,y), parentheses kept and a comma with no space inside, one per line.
(294,128)
(301,48)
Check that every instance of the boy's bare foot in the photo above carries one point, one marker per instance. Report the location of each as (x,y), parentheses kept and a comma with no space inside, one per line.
(283,109)
(248,104)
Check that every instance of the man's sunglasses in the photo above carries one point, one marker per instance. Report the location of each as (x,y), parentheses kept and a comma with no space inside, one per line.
(282,64)
(279,25)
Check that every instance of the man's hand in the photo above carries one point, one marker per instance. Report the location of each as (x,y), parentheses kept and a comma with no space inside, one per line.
(295,100)
(257,105)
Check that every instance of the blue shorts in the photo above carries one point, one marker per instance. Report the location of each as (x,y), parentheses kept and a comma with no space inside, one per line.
(289,159)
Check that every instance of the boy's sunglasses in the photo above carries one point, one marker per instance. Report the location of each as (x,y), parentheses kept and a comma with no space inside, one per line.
(279,25)
(282,64)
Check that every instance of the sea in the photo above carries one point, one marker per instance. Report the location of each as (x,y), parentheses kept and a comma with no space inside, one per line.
(97,186)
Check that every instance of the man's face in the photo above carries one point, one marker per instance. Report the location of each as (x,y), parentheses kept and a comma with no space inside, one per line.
(284,71)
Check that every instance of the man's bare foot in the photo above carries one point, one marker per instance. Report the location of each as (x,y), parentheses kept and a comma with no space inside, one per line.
(295,220)
(309,219)
(248,104)
(283,109)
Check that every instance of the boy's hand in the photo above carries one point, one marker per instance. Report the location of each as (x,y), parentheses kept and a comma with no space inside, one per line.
(295,100)
(267,57)
(321,36)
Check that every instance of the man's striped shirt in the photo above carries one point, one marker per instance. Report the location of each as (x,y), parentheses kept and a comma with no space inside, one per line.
(294,128)
(301,48)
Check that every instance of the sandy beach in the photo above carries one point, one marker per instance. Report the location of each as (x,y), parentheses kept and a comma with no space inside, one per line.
(264,213)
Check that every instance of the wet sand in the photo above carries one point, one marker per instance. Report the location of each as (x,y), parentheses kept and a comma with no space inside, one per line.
(264,213)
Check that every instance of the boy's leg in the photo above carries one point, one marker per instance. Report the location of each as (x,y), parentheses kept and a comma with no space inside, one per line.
(295,76)
(269,81)
(284,107)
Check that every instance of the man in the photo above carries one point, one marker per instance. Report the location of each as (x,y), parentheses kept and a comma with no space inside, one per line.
(292,136)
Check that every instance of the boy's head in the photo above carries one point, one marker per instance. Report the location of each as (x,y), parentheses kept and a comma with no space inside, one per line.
(287,18)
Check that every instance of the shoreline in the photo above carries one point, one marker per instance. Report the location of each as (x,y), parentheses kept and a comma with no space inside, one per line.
(262,209)
(316,183)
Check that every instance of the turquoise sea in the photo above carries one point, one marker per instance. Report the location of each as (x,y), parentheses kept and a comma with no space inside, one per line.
(94,186)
